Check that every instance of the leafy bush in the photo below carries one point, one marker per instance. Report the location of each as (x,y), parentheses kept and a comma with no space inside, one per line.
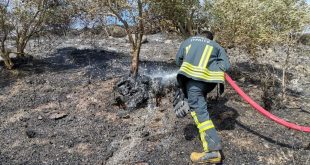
(256,23)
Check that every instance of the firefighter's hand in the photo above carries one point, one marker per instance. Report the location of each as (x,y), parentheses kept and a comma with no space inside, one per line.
(178,96)
(181,108)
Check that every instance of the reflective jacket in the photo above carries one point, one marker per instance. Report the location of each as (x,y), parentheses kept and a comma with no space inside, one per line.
(202,59)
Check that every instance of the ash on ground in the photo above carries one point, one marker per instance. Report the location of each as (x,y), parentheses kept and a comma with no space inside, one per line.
(56,110)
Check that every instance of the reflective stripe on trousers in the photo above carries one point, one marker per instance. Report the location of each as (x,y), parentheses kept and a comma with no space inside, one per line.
(196,91)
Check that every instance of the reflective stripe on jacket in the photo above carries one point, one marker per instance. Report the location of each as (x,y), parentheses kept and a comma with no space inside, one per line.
(202,59)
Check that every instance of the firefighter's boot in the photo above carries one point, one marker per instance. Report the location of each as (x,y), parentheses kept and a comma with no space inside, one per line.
(213,157)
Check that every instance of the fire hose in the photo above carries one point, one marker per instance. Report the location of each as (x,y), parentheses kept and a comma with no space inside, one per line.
(262,110)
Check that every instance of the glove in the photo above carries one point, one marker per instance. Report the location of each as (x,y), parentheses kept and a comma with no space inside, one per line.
(180,105)
(178,96)
(181,109)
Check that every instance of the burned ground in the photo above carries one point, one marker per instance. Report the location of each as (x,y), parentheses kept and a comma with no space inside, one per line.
(57,109)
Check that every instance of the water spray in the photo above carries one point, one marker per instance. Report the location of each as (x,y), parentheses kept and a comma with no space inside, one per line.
(167,78)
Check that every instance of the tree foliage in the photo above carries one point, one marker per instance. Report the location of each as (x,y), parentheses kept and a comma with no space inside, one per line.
(28,18)
(180,15)
(256,23)
(259,23)
(5,30)
(59,17)
(90,13)
(23,20)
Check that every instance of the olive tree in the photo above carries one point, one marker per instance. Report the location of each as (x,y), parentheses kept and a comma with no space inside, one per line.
(287,18)
(131,14)
(257,24)
(29,17)
(5,30)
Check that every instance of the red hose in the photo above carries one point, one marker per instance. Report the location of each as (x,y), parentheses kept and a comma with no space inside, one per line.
(262,110)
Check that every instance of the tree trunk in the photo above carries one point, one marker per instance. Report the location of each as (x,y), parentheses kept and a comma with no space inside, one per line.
(183,30)
(136,56)
(5,55)
(189,26)
(135,60)
(283,83)
(284,73)
(21,43)
(137,43)
(134,63)
(20,47)
(7,61)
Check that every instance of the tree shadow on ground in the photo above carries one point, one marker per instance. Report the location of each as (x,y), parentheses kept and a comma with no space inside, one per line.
(97,63)
(64,70)
(224,117)
(269,139)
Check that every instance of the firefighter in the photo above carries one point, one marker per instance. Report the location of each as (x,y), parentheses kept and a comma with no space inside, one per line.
(202,64)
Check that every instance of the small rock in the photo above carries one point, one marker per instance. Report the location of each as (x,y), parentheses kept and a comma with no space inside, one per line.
(123,115)
(294,81)
(58,115)
(142,163)
(168,41)
(299,90)
(31,133)
(266,145)
(29,81)
(145,134)
(127,116)
(230,134)
(143,41)
(157,120)
(71,144)
(242,80)
(127,137)
(109,154)
(25,118)
(149,149)
(113,134)
(40,117)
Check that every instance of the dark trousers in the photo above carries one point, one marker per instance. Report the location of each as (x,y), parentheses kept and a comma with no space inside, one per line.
(196,92)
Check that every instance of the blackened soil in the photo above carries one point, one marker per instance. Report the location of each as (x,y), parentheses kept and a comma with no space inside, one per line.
(57,110)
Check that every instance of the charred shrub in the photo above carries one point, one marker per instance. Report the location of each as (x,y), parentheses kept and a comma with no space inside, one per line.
(130,93)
